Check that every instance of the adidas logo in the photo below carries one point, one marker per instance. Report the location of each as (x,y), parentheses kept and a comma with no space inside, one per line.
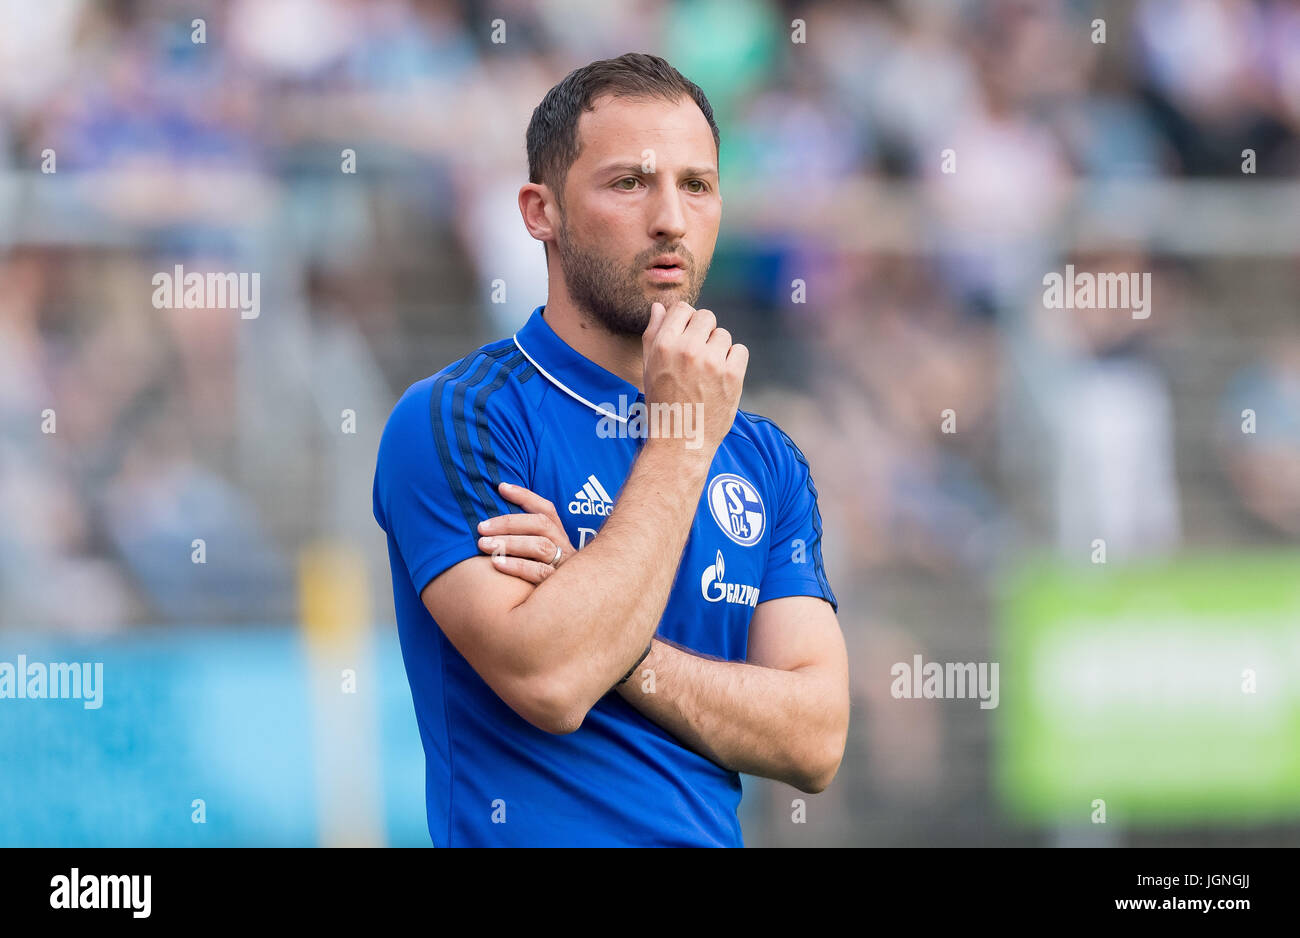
(591,499)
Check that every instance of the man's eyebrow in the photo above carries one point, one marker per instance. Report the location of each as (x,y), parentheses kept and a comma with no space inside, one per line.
(636,170)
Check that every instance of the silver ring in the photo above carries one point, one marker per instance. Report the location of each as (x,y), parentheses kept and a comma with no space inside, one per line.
(556,559)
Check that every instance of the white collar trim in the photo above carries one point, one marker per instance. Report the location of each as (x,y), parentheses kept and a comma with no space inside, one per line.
(563,387)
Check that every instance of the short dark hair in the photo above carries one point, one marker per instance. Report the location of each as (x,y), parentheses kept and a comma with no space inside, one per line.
(553,131)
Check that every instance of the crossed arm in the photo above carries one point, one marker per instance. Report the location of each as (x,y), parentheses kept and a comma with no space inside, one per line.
(781,714)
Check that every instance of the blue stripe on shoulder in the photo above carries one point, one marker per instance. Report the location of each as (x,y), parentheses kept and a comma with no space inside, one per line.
(479,409)
(486,358)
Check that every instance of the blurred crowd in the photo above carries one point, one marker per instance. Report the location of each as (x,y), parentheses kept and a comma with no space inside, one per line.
(949,417)
(918,165)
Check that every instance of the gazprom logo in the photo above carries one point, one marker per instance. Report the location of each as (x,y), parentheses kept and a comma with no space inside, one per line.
(715,589)
(737,508)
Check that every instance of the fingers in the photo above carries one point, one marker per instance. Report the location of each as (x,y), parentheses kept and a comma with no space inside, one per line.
(738,359)
(531,570)
(657,315)
(681,319)
(719,340)
(675,320)
(530,536)
(523,546)
(701,326)
(533,524)
(527,500)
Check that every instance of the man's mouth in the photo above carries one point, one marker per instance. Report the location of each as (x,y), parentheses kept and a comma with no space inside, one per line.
(667,268)
(666,273)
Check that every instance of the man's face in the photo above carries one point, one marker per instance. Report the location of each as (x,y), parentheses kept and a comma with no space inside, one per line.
(645,184)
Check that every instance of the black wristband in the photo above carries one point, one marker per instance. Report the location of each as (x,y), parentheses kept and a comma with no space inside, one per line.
(632,671)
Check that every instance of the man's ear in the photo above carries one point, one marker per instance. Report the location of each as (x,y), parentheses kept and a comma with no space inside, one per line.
(540,214)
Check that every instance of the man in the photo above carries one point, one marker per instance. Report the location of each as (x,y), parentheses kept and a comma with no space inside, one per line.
(536,729)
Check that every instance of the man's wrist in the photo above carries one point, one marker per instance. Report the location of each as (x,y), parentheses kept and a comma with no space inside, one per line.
(673,456)
(645,654)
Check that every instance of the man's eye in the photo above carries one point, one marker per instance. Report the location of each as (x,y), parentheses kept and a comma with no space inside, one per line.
(631,179)
(703,186)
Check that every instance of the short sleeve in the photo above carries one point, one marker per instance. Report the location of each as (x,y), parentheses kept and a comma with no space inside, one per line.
(449,442)
(794,563)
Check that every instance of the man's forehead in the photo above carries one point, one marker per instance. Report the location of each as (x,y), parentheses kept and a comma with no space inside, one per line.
(619,124)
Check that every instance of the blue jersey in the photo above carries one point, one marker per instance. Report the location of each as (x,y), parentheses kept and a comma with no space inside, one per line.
(532,411)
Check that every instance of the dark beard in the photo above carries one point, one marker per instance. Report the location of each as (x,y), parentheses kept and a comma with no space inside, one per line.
(610,294)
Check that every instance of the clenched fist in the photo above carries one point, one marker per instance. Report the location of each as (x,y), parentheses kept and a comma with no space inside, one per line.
(689,361)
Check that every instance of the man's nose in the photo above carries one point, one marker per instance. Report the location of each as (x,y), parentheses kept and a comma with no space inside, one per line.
(668,221)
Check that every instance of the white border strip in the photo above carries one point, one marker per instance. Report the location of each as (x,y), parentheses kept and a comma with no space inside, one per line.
(560,384)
